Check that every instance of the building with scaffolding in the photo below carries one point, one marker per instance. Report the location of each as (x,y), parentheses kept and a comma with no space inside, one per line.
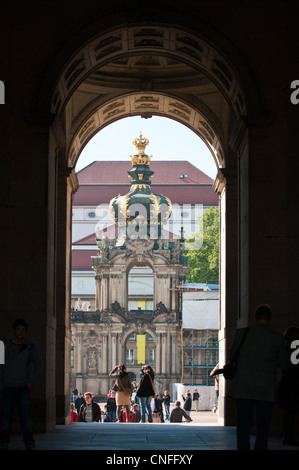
(199,342)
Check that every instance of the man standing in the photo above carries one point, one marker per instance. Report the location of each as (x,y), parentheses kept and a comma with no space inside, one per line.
(255,384)
(90,411)
(196,399)
(79,402)
(16,380)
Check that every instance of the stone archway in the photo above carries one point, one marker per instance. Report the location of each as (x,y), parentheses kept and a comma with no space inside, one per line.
(85,100)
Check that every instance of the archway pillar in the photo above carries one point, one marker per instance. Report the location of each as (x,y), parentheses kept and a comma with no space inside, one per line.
(227,188)
(66,187)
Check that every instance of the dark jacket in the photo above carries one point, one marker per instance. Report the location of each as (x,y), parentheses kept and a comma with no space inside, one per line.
(96,412)
(187,404)
(145,388)
(79,402)
(111,404)
(21,367)
(136,417)
(166,400)
(158,404)
(176,415)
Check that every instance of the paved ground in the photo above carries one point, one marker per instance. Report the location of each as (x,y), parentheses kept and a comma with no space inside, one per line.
(203,433)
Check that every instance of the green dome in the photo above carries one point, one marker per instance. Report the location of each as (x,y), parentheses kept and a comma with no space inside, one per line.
(140,213)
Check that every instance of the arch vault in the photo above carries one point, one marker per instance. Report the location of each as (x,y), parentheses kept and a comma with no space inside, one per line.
(146,71)
(69,72)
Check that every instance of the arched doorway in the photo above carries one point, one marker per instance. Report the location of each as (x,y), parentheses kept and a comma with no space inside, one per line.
(114,83)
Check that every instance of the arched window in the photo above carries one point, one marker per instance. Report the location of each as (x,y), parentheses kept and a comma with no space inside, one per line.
(140,288)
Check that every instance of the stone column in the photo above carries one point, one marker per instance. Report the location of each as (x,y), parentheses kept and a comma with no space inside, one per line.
(67,186)
(98,293)
(113,350)
(158,353)
(164,353)
(106,289)
(173,293)
(79,352)
(105,354)
(168,354)
(120,348)
(173,354)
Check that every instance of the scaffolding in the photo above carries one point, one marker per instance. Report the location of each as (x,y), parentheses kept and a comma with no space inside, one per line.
(200,356)
(199,336)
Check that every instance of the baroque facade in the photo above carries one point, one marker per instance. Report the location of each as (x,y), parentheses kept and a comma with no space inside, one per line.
(105,337)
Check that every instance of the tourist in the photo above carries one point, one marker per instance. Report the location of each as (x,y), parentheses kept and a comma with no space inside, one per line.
(104,415)
(22,370)
(188,403)
(158,407)
(74,415)
(124,415)
(123,389)
(111,407)
(166,401)
(90,412)
(145,392)
(177,414)
(79,401)
(195,399)
(255,384)
(136,414)
(75,394)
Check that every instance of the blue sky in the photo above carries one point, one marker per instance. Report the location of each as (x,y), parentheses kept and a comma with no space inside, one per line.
(168,140)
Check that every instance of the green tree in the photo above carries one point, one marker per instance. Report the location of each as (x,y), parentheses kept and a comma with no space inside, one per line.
(204,262)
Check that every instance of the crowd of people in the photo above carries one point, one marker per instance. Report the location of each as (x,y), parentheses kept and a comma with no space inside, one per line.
(254,385)
(107,412)
(131,403)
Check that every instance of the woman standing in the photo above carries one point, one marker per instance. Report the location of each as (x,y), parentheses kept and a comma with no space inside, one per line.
(145,393)
(123,389)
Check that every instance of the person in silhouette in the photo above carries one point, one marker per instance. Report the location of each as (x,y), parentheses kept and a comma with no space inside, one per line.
(22,370)
(255,384)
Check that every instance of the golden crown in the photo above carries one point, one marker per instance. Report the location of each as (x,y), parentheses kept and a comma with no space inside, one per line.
(140,144)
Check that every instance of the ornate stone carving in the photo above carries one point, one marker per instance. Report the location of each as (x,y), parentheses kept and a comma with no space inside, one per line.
(160,308)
